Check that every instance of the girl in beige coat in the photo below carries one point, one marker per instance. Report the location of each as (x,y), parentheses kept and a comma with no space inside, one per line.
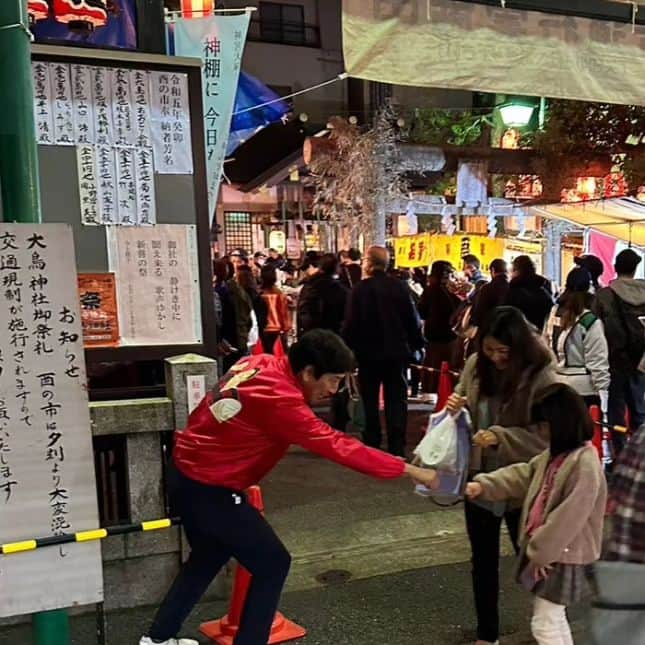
(564,496)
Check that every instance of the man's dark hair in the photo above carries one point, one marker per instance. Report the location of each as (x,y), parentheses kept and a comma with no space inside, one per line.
(354,255)
(499,266)
(328,264)
(626,262)
(324,351)
(508,326)
(472,260)
(570,425)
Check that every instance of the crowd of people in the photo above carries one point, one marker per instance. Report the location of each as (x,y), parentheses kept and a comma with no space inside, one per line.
(530,360)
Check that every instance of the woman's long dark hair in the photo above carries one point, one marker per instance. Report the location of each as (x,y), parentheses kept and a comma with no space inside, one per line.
(565,412)
(572,304)
(509,327)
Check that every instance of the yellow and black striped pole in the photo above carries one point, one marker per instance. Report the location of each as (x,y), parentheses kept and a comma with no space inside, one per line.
(86,536)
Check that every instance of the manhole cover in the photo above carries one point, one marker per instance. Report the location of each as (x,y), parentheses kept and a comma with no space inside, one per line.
(334,577)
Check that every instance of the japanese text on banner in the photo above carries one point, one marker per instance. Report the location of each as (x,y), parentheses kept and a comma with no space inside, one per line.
(219,42)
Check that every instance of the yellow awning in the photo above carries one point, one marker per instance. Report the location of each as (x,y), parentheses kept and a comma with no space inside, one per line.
(622,218)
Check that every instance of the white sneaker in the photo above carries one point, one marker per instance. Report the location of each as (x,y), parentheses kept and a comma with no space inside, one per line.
(146,640)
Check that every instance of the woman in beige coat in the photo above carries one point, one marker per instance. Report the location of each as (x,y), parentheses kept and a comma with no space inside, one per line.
(501,385)
(564,497)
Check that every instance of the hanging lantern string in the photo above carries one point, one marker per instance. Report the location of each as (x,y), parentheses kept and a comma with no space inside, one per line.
(340,77)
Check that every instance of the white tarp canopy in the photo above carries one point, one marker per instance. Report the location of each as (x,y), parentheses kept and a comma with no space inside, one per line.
(462,45)
(622,218)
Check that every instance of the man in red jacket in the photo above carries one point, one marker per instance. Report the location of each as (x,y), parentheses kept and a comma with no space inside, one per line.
(234,438)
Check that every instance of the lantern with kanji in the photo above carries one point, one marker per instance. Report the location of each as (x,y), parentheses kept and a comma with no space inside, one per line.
(37,10)
(196,8)
(81,14)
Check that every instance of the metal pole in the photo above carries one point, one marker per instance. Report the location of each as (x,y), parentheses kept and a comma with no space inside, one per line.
(20,190)
(18,151)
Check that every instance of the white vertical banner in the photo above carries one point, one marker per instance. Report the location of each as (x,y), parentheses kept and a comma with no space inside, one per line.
(219,42)
(126,186)
(106,171)
(145,189)
(83,108)
(88,187)
(122,112)
(101,97)
(171,123)
(63,108)
(140,85)
(43,108)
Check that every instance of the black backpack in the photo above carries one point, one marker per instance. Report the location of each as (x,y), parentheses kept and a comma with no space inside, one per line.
(634,333)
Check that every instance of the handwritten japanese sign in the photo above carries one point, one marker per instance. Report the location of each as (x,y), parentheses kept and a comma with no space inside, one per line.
(145,189)
(43,107)
(140,84)
(126,186)
(106,172)
(101,95)
(47,482)
(88,186)
(122,108)
(157,282)
(83,108)
(171,123)
(97,296)
(63,110)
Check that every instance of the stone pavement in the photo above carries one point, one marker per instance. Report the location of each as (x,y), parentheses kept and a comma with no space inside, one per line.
(372,563)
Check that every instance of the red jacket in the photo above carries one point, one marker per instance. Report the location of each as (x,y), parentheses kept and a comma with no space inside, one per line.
(238,452)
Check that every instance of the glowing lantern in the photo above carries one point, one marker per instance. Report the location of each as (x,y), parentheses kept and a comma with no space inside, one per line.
(586,187)
(38,10)
(81,14)
(196,8)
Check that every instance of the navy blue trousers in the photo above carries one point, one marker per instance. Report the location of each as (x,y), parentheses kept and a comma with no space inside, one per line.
(220,525)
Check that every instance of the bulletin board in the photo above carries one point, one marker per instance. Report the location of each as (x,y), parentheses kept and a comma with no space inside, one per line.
(141,115)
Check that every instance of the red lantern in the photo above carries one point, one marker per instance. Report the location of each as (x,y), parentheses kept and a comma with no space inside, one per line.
(38,10)
(196,8)
(81,14)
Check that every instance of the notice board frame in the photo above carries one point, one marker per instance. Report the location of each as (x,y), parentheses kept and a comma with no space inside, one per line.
(192,68)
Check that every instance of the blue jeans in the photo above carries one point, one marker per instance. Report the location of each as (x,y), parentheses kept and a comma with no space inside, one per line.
(626,392)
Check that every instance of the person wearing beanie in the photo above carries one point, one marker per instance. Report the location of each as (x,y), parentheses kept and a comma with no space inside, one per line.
(594,266)
(577,338)
(621,307)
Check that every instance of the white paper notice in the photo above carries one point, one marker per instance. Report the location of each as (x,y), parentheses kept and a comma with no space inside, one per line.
(83,107)
(171,123)
(157,280)
(106,171)
(47,483)
(122,109)
(101,96)
(196,390)
(43,103)
(146,203)
(88,185)
(140,86)
(126,187)
(63,108)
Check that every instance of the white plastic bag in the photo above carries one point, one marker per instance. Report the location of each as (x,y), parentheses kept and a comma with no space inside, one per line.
(438,449)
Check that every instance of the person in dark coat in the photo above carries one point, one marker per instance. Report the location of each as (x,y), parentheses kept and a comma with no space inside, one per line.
(437,307)
(529,292)
(350,268)
(323,299)
(492,294)
(383,331)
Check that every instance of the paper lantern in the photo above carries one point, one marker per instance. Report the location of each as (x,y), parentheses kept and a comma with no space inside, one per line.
(38,10)
(196,8)
(81,14)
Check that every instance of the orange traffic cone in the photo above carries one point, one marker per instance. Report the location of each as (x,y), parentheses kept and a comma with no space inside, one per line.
(445,388)
(223,631)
